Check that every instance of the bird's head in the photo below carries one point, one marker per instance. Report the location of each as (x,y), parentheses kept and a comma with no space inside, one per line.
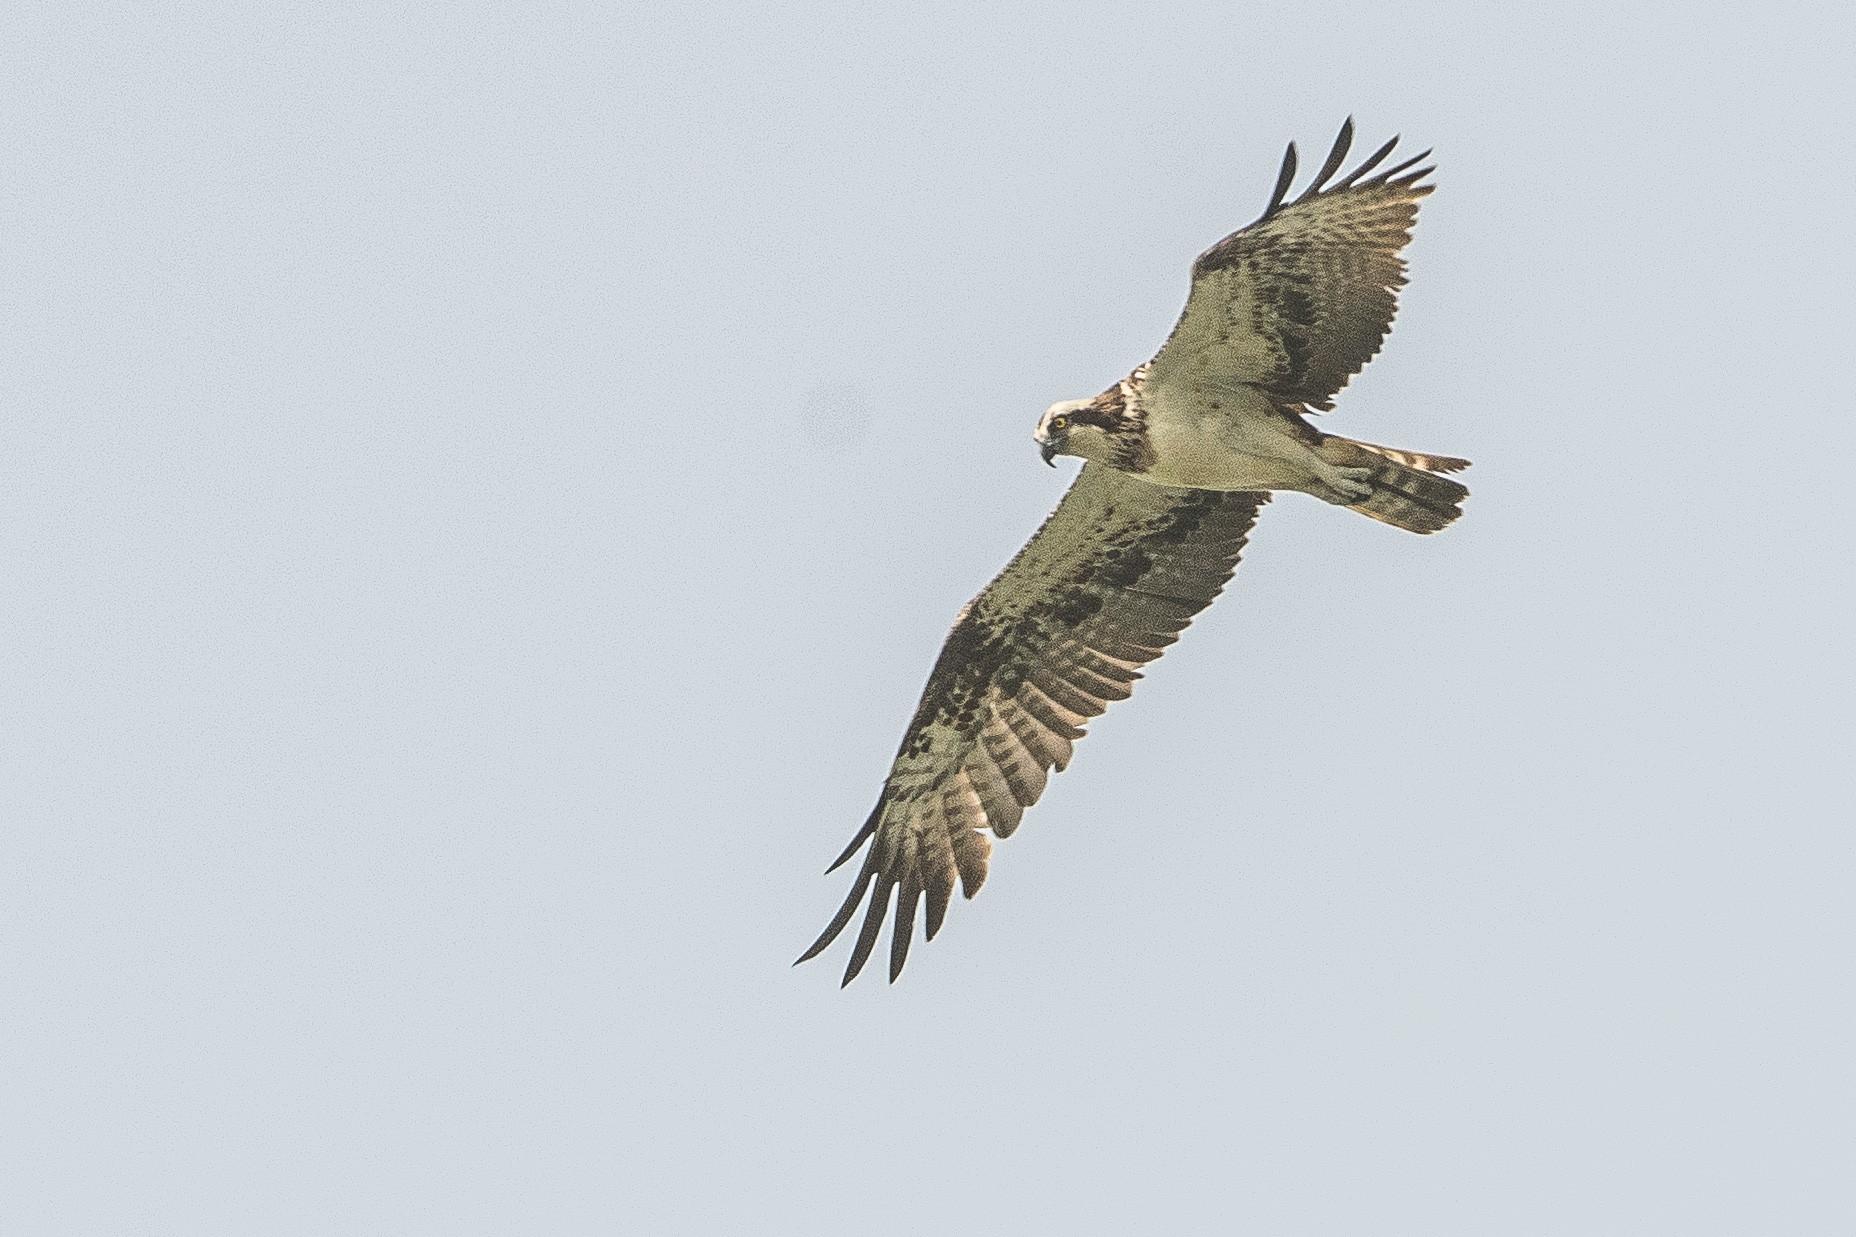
(1068,428)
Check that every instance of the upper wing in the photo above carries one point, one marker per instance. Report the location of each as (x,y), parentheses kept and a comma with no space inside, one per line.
(1110,580)
(1298,302)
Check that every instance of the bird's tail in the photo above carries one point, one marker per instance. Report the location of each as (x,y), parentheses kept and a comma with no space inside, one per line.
(1407,492)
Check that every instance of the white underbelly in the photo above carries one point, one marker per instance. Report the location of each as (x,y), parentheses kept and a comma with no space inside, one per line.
(1218,452)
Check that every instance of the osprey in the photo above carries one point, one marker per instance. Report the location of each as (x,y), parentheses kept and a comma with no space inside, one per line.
(1179,458)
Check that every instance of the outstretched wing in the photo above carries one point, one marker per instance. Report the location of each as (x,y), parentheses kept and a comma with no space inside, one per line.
(1117,571)
(1298,302)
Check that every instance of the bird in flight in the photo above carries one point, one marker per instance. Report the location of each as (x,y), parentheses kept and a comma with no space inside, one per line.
(1179,457)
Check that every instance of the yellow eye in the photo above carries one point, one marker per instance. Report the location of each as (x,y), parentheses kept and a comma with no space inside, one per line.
(1060,423)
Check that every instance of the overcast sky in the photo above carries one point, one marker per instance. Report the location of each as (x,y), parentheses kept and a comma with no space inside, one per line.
(482,487)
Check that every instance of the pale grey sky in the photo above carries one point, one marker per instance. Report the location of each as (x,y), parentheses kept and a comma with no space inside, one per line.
(480,491)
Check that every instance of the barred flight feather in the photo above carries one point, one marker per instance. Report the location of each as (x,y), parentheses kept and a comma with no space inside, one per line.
(1299,301)
(1104,587)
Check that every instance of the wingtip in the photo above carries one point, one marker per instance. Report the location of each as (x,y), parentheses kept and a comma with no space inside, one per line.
(864,834)
(1404,174)
(1343,142)
(1284,179)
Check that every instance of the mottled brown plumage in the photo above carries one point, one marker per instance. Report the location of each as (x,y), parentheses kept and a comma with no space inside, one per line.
(1115,574)
(1298,302)
(1180,455)
(1281,315)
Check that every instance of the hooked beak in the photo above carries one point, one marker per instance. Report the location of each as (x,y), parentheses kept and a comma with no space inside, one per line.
(1047,448)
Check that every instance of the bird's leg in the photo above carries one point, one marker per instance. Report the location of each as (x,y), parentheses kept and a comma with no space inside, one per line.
(1352,484)
(1344,467)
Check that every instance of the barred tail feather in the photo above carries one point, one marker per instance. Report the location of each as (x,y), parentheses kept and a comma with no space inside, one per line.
(1414,459)
(1407,492)
(1418,502)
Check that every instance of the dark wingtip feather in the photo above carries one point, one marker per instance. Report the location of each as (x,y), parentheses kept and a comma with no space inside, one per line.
(842,918)
(907,899)
(899,945)
(1373,161)
(1342,143)
(938,895)
(863,834)
(873,927)
(1283,180)
(1390,172)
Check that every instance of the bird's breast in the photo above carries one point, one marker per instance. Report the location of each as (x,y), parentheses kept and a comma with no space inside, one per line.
(1215,446)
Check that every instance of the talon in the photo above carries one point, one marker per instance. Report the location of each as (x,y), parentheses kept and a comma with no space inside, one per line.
(1352,483)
